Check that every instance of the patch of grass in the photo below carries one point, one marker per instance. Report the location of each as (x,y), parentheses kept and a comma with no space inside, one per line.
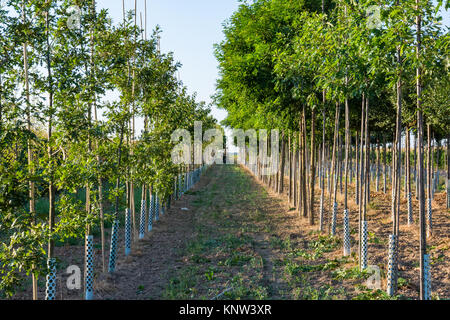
(293,268)
(278,243)
(231,241)
(210,274)
(325,292)
(373,205)
(350,273)
(257,215)
(246,289)
(402,283)
(197,258)
(324,244)
(439,258)
(305,254)
(370,294)
(374,239)
(202,245)
(237,259)
(183,286)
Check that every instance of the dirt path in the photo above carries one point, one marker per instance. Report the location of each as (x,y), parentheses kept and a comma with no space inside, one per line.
(239,241)
(220,244)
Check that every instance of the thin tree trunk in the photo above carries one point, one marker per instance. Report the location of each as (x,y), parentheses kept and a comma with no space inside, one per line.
(290,170)
(448,171)
(31,185)
(361,175)
(429,173)
(304,169)
(357,180)
(283,163)
(313,166)
(347,152)
(421,182)
(51,187)
(322,194)
(384,164)
(334,163)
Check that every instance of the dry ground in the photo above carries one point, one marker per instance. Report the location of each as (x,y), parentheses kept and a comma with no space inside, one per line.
(239,240)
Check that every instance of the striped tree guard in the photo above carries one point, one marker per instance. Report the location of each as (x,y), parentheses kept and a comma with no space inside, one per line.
(429,218)
(113,249)
(89,267)
(392,263)
(364,245)
(127,231)
(410,210)
(150,213)
(347,247)
(427,277)
(50,286)
(157,208)
(142,220)
(334,219)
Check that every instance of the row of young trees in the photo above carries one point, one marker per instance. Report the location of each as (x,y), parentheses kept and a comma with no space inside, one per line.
(365,75)
(61,134)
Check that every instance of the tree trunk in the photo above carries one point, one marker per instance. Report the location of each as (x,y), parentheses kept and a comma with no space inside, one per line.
(313,166)
(283,162)
(361,175)
(334,167)
(51,187)
(448,171)
(347,152)
(429,175)
(31,185)
(322,194)
(421,182)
